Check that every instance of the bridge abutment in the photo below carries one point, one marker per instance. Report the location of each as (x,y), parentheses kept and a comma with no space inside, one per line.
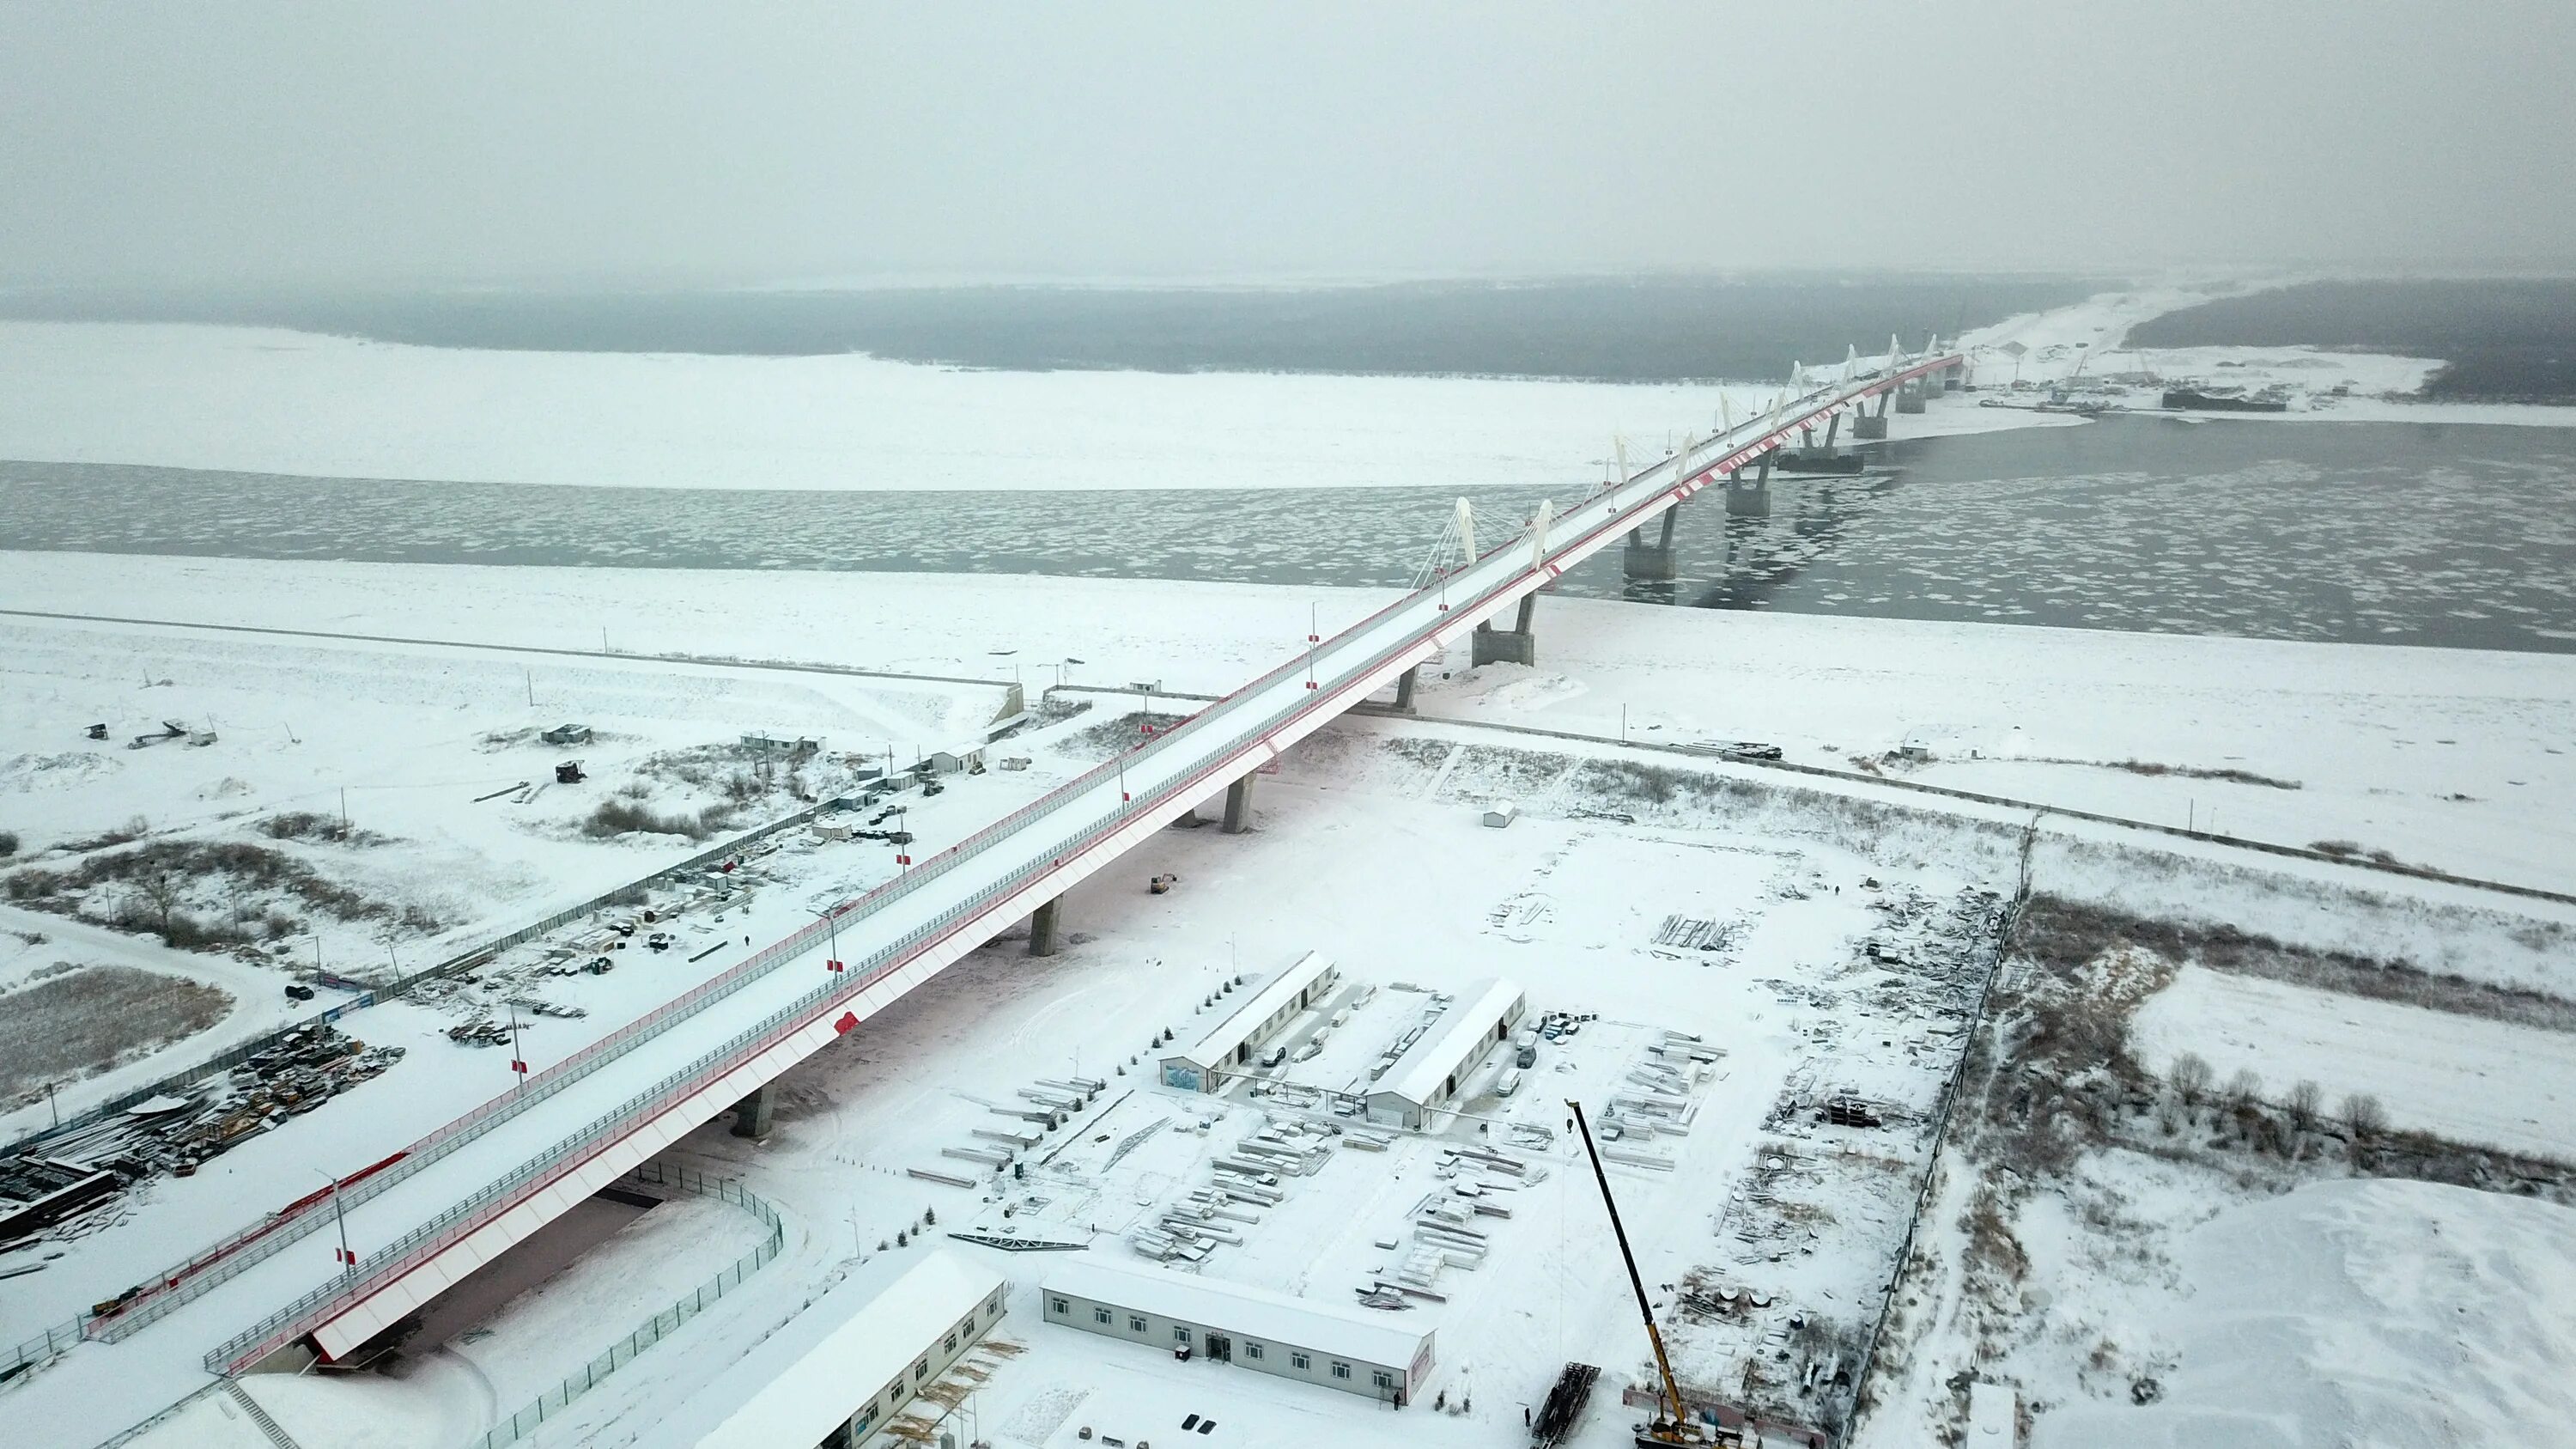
(751,1115)
(1490,645)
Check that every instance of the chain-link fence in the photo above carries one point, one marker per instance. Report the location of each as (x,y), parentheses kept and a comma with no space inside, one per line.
(661,1325)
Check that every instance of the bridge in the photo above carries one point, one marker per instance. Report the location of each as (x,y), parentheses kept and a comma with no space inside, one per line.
(426,1217)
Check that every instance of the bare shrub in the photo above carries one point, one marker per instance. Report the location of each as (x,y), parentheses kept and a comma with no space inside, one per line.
(159,876)
(2190,1074)
(619,817)
(2243,1090)
(2303,1104)
(314,825)
(8,842)
(2363,1114)
(69,1026)
(160,889)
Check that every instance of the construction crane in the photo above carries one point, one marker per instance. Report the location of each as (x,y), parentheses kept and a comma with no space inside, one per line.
(1674,1426)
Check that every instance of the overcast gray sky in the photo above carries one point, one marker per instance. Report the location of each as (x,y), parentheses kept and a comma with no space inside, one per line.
(440,142)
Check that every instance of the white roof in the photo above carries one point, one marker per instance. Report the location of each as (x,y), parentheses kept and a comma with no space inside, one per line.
(810,1376)
(1419,1076)
(1217,1047)
(1368,1335)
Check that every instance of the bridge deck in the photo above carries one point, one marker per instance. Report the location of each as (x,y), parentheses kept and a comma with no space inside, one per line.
(493,1178)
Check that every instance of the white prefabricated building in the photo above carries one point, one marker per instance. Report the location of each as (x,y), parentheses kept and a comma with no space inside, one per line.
(1228,1047)
(1427,1078)
(1357,1350)
(848,1364)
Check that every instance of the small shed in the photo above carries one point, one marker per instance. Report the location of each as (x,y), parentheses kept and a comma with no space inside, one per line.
(567,734)
(1501,813)
(781,747)
(953,762)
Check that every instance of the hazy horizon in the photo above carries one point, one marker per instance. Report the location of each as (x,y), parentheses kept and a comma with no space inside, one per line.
(484,145)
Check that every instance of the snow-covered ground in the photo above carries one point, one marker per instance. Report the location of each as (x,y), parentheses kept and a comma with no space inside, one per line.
(2462,760)
(1370,850)
(271,401)
(284,402)
(2092,337)
(2462,1078)
(2414,1314)
(1367,848)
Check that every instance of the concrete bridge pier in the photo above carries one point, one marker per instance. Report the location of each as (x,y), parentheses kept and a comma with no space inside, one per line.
(1750,499)
(1404,690)
(1643,560)
(1868,426)
(1507,646)
(752,1114)
(1238,806)
(1909,396)
(1042,928)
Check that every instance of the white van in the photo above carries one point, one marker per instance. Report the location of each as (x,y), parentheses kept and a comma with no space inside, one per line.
(1508,1083)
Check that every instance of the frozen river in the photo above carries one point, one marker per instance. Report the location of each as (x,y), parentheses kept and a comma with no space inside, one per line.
(2447,535)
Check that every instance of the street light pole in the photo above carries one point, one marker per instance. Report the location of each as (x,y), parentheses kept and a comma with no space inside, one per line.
(340,1215)
(832,924)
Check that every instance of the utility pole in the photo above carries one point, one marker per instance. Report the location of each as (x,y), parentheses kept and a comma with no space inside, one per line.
(518,1062)
(344,810)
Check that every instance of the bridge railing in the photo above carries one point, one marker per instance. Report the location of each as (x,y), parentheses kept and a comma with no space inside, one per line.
(434,1236)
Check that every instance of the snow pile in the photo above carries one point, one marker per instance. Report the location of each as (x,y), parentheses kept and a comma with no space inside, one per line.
(2361,1313)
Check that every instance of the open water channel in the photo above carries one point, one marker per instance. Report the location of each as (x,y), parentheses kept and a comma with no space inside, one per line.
(2451,535)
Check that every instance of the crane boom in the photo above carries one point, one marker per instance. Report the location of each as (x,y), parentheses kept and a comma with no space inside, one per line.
(1670,1430)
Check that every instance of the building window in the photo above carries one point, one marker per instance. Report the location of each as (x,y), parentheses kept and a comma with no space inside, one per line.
(951,1345)
(1341,1370)
(1180,1333)
(1059,1305)
(894,1395)
(1135,1323)
(1300,1362)
(1383,1380)
(1252,1350)
(920,1369)
(1100,1315)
